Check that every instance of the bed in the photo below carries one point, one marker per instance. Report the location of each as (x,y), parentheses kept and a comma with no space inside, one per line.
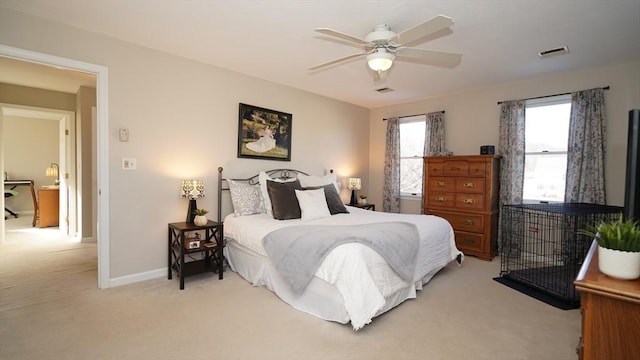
(347,280)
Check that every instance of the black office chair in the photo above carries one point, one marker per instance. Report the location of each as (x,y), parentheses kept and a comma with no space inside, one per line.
(8,194)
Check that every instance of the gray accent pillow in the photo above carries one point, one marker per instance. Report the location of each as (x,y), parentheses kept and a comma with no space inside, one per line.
(246,199)
(284,203)
(334,202)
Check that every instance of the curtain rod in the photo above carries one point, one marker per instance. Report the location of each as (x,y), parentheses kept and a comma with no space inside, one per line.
(413,115)
(546,96)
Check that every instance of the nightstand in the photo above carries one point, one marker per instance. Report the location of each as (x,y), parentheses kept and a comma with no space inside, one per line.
(371,207)
(204,254)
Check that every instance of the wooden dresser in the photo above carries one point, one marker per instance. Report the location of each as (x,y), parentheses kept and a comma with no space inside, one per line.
(610,313)
(48,206)
(464,190)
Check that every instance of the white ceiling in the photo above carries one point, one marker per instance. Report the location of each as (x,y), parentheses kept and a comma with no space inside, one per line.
(274,39)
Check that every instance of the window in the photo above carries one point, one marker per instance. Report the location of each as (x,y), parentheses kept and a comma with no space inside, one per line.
(411,152)
(546,139)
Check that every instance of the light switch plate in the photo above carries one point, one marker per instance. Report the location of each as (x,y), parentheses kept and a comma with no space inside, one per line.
(123,134)
(128,164)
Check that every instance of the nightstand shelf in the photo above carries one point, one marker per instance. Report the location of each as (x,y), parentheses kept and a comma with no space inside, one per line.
(204,257)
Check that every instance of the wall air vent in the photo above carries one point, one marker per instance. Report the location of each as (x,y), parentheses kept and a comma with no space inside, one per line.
(552,52)
(384,90)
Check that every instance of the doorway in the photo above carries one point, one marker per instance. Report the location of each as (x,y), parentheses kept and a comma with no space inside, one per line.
(101,158)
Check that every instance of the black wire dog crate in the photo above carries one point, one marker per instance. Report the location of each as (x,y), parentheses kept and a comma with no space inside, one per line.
(541,247)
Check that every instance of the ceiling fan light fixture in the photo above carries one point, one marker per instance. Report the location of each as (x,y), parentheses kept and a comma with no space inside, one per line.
(380,60)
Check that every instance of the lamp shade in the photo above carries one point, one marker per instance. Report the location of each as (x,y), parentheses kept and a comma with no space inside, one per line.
(380,60)
(52,171)
(355,184)
(192,189)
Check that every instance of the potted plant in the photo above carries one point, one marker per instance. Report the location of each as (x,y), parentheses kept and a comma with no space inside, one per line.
(200,219)
(618,247)
(363,199)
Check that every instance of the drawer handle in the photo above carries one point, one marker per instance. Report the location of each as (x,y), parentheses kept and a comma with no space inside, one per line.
(455,168)
(440,198)
(469,222)
(468,241)
(470,185)
(441,184)
(469,201)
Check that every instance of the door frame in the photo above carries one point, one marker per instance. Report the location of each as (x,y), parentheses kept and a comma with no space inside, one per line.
(102,132)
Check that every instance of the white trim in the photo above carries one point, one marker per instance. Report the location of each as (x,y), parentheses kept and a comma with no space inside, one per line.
(143,276)
(101,73)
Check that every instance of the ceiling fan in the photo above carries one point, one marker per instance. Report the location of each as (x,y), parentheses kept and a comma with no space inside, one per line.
(382,46)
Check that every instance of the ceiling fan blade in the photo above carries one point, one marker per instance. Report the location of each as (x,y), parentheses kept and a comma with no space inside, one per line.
(429,57)
(343,36)
(336,61)
(422,30)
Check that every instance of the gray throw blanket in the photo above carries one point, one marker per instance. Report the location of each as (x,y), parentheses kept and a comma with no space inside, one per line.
(298,251)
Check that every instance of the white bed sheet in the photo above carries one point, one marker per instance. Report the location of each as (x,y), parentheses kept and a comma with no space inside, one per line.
(362,277)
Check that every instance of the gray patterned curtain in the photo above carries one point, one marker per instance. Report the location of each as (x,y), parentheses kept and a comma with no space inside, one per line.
(434,134)
(585,155)
(512,146)
(391,190)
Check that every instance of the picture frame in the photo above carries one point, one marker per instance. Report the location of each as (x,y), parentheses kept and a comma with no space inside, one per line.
(264,133)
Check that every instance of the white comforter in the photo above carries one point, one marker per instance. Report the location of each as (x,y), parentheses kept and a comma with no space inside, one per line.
(359,273)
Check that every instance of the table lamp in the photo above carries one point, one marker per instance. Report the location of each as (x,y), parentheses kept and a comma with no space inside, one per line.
(52,172)
(354,184)
(192,189)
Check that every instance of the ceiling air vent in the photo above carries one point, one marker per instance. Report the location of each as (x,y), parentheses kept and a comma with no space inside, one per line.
(384,90)
(551,52)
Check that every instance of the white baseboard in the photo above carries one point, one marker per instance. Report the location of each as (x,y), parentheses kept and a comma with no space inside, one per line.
(131,279)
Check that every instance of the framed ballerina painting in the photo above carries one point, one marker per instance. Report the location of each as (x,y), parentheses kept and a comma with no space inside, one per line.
(264,133)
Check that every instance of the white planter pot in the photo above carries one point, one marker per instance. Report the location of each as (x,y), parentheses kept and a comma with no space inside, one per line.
(200,220)
(619,264)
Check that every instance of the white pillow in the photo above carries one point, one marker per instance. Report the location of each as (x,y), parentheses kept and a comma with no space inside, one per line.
(246,199)
(312,180)
(262,179)
(313,204)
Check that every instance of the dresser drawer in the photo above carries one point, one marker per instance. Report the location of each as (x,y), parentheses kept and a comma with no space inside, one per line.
(441,200)
(469,242)
(470,185)
(465,222)
(470,201)
(477,169)
(441,184)
(434,169)
(455,168)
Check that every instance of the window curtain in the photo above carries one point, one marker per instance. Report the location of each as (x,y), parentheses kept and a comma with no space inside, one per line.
(512,146)
(434,134)
(586,151)
(391,190)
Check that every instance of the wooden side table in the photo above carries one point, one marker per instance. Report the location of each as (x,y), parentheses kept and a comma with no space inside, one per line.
(371,207)
(209,249)
(48,207)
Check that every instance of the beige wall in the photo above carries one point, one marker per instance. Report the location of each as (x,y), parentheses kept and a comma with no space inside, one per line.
(30,145)
(472,119)
(86,99)
(182,117)
(24,95)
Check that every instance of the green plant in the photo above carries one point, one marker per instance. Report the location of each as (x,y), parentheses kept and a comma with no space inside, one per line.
(622,234)
(201,212)
(363,196)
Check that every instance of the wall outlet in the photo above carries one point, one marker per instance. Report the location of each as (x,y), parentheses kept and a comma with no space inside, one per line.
(129,163)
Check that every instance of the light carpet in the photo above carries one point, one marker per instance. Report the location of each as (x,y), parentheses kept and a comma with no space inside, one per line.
(50,308)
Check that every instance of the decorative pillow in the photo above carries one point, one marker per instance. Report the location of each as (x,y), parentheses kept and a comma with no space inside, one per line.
(262,179)
(245,198)
(312,180)
(284,204)
(313,204)
(334,202)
